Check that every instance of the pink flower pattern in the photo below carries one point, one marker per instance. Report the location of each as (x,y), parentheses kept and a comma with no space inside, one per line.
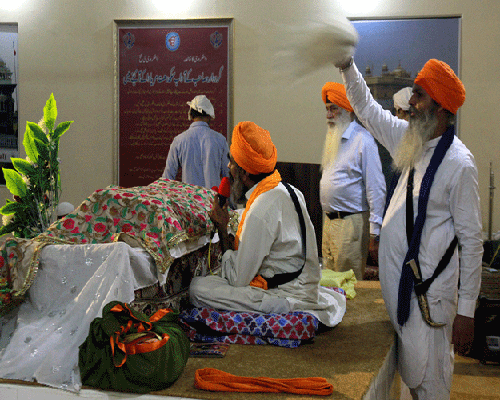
(159,216)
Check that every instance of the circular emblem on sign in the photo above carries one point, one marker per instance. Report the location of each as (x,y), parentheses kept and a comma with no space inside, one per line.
(216,39)
(173,41)
(128,40)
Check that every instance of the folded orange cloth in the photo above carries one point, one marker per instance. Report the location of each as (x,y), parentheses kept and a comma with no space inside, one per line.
(259,282)
(219,381)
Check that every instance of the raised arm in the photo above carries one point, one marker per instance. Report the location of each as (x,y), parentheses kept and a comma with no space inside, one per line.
(384,126)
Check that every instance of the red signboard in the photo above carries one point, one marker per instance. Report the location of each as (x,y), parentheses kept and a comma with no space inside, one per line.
(160,68)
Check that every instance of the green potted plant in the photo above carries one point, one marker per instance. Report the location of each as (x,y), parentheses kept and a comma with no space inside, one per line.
(35,182)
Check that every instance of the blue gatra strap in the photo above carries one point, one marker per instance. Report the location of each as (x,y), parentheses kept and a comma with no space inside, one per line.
(406,282)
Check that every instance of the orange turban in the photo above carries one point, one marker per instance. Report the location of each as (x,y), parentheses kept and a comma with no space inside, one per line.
(335,92)
(441,83)
(253,149)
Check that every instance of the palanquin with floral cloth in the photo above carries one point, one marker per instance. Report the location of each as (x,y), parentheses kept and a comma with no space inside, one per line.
(138,245)
(165,220)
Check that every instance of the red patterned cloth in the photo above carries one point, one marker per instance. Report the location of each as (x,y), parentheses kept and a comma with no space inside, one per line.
(157,217)
(285,330)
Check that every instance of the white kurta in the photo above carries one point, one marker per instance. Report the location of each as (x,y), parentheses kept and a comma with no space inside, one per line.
(271,243)
(453,209)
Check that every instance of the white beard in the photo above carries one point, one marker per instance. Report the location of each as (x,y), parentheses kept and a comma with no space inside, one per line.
(419,131)
(333,137)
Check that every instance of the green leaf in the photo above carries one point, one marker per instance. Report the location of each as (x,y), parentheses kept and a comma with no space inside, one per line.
(22,166)
(10,208)
(14,182)
(29,145)
(61,129)
(50,112)
(53,156)
(38,133)
(43,150)
(8,228)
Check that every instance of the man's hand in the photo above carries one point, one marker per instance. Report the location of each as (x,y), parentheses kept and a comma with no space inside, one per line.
(219,215)
(373,248)
(343,64)
(463,334)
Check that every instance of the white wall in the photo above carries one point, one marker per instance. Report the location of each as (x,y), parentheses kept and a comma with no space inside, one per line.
(66,47)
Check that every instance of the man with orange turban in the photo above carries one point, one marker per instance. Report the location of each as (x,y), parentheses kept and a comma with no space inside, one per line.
(432,205)
(352,187)
(271,265)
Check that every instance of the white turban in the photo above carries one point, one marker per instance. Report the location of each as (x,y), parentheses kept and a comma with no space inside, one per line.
(200,103)
(402,98)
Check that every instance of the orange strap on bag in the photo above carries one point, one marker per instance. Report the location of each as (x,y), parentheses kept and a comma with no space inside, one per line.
(142,342)
(219,381)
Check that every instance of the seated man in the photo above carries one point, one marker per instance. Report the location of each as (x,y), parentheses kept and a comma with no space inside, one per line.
(269,242)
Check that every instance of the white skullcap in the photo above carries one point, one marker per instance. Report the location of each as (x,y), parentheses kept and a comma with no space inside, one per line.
(402,98)
(200,103)
(64,208)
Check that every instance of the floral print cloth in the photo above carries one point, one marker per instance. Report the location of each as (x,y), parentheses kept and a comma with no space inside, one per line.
(156,217)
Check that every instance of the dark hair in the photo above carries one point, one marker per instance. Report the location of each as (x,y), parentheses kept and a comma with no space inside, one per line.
(450,117)
(259,177)
(195,114)
(254,177)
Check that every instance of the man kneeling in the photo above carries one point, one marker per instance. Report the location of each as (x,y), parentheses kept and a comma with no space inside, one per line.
(271,265)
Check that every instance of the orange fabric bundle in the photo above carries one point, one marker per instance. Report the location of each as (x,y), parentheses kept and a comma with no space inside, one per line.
(441,83)
(259,282)
(335,93)
(253,149)
(263,186)
(219,381)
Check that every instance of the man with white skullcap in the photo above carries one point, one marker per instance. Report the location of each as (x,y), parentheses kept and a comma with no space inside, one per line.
(401,103)
(430,289)
(201,152)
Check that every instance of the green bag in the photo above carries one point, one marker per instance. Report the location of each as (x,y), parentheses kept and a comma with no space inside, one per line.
(128,351)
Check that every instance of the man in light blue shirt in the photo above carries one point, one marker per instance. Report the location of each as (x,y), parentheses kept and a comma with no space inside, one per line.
(201,152)
(352,187)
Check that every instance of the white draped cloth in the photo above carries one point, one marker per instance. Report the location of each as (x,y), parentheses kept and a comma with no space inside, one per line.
(74,282)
